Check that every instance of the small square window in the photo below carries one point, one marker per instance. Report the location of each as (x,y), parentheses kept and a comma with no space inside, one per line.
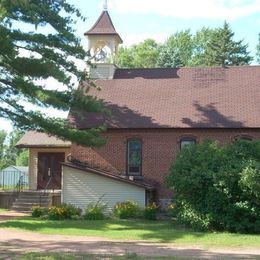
(186,142)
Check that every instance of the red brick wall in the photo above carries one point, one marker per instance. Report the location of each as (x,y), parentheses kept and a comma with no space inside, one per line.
(159,149)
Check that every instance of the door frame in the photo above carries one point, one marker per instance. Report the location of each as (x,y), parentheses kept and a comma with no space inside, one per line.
(63,154)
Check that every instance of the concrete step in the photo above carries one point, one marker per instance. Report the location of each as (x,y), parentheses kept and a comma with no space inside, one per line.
(32,199)
(22,209)
(26,204)
(24,195)
(29,199)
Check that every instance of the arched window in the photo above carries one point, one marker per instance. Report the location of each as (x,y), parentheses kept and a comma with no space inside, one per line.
(134,157)
(186,141)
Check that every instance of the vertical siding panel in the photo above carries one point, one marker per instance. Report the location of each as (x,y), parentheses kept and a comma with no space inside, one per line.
(81,188)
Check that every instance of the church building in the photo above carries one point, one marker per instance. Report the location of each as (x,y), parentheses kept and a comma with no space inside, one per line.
(154,114)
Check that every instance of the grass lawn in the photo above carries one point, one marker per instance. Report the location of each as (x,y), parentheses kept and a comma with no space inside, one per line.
(155,231)
(3,210)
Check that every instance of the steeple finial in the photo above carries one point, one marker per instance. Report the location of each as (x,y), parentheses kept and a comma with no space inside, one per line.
(105,5)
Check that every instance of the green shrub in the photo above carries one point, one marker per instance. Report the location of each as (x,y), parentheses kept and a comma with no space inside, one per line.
(64,211)
(171,210)
(71,211)
(96,211)
(150,211)
(56,213)
(128,209)
(38,211)
(218,186)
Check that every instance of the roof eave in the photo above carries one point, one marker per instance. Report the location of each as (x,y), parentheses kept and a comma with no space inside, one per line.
(42,146)
(105,34)
(106,175)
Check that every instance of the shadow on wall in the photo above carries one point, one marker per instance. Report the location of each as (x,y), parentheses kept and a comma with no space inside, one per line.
(210,117)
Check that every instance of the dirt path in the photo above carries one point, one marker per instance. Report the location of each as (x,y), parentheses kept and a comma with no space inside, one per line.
(20,241)
(6,215)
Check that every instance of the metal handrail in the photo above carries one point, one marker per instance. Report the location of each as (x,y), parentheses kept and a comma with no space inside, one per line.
(18,185)
(44,191)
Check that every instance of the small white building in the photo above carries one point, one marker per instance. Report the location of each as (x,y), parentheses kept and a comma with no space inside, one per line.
(14,175)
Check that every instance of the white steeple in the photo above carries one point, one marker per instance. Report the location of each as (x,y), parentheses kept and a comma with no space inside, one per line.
(105,5)
(103,43)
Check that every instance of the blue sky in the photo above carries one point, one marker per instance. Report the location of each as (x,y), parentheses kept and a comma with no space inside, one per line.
(136,20)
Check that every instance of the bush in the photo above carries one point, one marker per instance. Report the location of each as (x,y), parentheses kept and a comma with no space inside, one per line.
(96,211)
(71,211)
(171,210)
(218,186)
(38,211)
(150,211)
(56,213)
(128,209)
(64,211)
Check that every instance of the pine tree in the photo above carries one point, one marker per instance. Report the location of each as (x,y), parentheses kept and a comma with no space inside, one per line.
(258,50)
(37,42)
(169,58)
(3,135)
(176,51)
(223,51)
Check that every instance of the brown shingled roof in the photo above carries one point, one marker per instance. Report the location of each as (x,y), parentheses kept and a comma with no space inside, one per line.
(103,26)
(36,139)
(212,97)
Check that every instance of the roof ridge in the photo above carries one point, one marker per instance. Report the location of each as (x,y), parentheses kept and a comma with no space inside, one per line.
(193,68)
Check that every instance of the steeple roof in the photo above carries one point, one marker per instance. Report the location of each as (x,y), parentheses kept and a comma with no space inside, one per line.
(104,26)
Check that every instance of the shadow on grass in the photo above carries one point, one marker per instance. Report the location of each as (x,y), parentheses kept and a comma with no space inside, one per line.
(160,231)
(112,250)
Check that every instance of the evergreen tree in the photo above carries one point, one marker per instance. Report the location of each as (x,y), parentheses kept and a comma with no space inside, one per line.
(2,140)
(200,42)
(169,58)
(37,42)
(176,51)
(223,51)
(258,50)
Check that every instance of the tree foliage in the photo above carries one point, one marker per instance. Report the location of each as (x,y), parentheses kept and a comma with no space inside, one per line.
(200,43)
(142,55)
(223,50)
(9,154)
(218,187)
(207,47)
(258,49)
(28,57)
(176,51)
(2,144)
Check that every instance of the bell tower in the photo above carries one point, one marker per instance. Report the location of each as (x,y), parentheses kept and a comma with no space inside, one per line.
(103,42)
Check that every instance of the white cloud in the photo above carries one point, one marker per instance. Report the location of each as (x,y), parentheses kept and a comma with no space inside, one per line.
(5,125)
(130,39)
(187,9)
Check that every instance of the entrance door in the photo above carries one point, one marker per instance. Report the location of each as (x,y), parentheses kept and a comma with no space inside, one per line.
(49,165)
